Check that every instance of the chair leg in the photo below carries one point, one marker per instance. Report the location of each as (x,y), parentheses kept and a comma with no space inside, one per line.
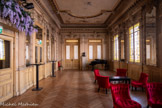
(147,106)
(106,91)
(98,89)
(142,89)
(95,81)
(132,88)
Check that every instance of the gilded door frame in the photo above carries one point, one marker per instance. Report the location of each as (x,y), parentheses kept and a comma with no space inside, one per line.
(78,51)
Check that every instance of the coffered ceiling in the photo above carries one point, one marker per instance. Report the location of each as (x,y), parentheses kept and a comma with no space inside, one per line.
(83,12)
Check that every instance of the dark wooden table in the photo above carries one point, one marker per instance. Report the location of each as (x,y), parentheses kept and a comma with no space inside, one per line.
(37,78)
(53,68)
(119,78)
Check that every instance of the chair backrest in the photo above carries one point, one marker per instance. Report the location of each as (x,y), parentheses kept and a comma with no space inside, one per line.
(120,91)
(103,81)
(121,72)
(153,90)
(143,78)
(96,73)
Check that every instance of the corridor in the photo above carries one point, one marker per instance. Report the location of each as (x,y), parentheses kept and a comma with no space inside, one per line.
(72,89)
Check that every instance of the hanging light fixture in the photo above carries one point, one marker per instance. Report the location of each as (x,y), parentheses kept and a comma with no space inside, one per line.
(27,5)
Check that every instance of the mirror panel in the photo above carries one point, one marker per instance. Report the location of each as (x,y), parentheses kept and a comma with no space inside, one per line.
(151,37)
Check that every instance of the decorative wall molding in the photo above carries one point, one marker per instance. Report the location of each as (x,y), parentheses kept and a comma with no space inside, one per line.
(43,9)
(85,17)
(124,11)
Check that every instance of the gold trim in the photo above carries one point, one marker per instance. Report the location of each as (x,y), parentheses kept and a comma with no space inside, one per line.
(122,40)
(96,41)
(71,41)
(147,40)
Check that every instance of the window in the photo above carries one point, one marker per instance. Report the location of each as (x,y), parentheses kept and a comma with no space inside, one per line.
(4,54)
(116,48)
(95,49)
(36,54)
(41,54)
(122,51)
(27,52)
(90,52)
(134,43)
(98,51)
(2,50)
(68,52)
(75,52)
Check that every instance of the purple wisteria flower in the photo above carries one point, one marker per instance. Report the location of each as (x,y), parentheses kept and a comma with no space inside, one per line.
(17,16)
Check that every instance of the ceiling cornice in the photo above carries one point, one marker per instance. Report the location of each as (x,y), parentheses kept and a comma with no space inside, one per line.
(121,10)
(39,4)
(54,7)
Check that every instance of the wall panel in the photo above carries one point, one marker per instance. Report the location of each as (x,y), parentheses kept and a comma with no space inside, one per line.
(48,69)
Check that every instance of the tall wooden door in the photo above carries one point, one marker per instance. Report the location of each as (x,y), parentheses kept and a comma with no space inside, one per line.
(95,51)
(72,54)
(6,67)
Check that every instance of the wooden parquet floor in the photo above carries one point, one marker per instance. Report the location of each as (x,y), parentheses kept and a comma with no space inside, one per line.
(72,89)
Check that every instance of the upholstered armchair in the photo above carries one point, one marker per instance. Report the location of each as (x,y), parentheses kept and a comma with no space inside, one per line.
(154,95)
(121,72)
(96,73)
(141,82)
(103,82)
(121,97)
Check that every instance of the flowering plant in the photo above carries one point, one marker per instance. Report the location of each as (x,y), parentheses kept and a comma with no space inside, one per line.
(17,16)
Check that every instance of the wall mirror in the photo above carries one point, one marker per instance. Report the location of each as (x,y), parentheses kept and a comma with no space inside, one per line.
(39,46)
(151,37)
(122,48)
(27,57)
(48,47)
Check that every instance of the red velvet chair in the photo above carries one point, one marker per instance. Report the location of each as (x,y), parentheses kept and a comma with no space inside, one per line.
(121,72)
(154,95)
(96,73)
(121,97)
(59,65)
(141,82)
(103,82)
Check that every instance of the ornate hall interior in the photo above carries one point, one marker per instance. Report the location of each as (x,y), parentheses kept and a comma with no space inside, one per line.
(81,53)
